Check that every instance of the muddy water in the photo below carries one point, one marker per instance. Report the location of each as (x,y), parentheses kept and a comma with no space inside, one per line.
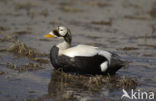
(125,27)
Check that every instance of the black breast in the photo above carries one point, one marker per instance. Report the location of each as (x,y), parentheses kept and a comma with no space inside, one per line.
(53,56)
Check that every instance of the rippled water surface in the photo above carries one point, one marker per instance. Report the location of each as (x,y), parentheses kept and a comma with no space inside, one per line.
(126,27)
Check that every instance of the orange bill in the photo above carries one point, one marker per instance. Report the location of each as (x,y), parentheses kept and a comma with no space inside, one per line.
(49,36)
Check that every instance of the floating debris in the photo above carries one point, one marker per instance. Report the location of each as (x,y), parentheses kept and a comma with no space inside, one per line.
(108,23)
(44,13)
(69,9)
(145,37)
(43,39)
(3,50)
(135,17)
(21,49)
(22,32)
(8,38)
(99,4)
(153,11)
(25,6)
(25,67)
(12,66)
(32,91)
(148,45)
(128,48)
(1,73)
(97,45)
(128,5)
(66,3)
(3,28)
(32,66)
(41,60)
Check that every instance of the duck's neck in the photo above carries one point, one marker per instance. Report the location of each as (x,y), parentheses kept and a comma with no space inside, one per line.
(64,45)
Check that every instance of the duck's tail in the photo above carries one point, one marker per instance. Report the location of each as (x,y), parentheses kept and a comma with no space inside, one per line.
(116,64)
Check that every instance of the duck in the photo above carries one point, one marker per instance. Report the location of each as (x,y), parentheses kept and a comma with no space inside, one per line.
(81,59)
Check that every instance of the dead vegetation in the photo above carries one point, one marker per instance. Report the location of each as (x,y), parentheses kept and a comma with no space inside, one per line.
(153,11)
(134,17)
(3,50)
(41,60)
(128,5)
(44,12)
(25,67)
(8,38)
(2,28)
(1,72)
(127,48)
(93,82)
(26,6)
(43,39)
(148,45)
(66,86)
(21,49)
(99,4)
(13,36)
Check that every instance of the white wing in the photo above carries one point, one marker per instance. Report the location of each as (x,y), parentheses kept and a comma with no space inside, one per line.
(86,50)
(80,50)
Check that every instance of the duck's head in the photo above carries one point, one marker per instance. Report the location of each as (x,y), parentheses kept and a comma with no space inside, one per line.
(60,32)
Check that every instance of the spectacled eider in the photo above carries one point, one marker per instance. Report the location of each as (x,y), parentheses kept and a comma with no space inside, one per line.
(82,59)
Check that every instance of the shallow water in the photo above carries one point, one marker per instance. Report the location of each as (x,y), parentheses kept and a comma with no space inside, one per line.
(125,27)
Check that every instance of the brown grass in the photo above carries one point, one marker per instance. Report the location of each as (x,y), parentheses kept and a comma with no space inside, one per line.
(3,28)
(135,17)
(8,38)
(25,67)
(21,49)
(67,86)
(41,60)
(25,6)
(99,4)
(128,48)
(93,83)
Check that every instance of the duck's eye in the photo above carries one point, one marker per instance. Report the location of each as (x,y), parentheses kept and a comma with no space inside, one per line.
(61,30)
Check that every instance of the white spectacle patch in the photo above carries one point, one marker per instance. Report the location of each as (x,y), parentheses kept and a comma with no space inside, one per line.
(62,30)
